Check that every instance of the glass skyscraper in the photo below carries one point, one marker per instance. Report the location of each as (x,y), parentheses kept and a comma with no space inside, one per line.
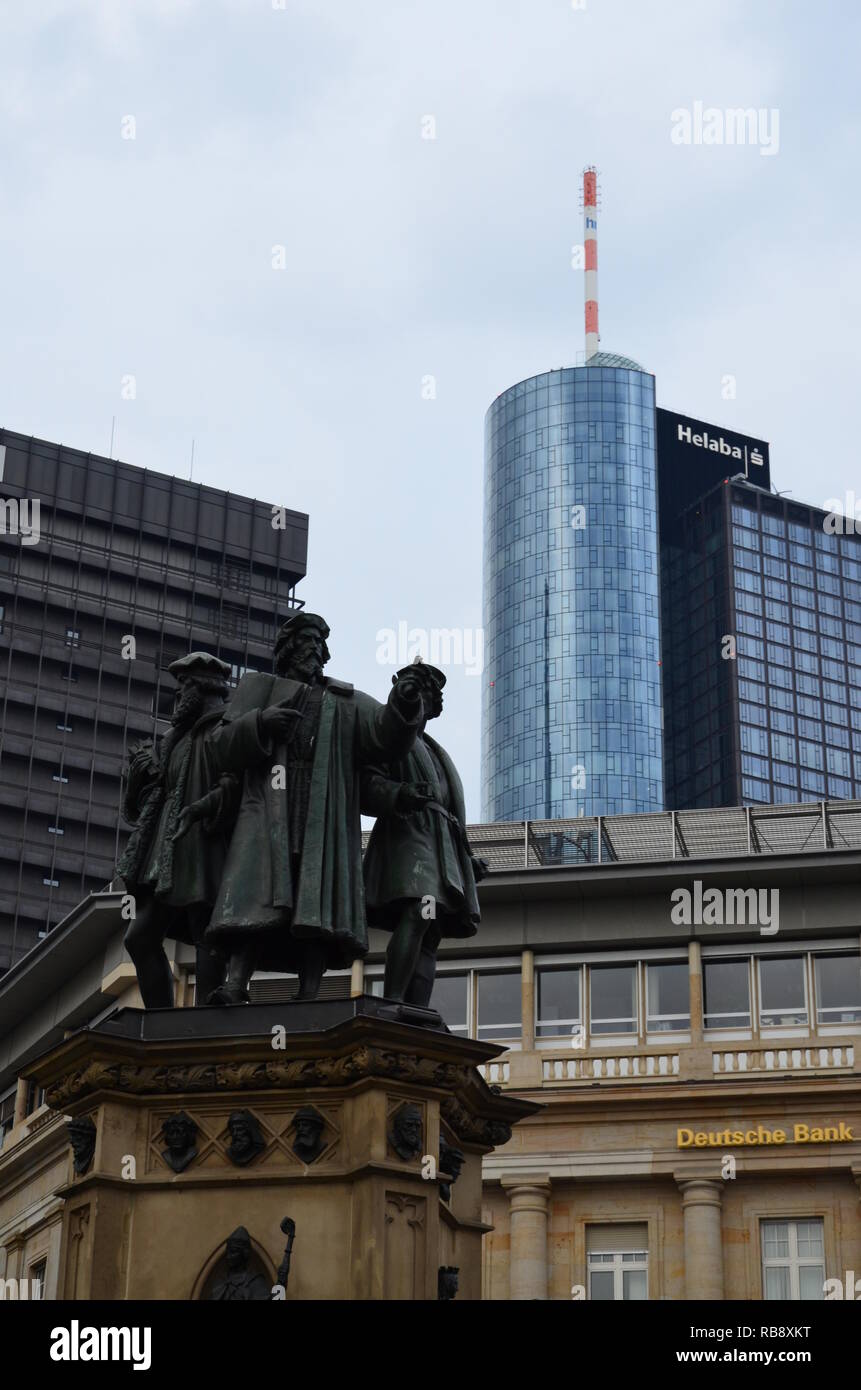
(780,719)
(571,718)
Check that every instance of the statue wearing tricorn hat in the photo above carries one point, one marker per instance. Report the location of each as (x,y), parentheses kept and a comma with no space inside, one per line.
(291,893)
(174,881)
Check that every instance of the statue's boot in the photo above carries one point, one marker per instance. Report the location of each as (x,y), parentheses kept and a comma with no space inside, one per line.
(228,994)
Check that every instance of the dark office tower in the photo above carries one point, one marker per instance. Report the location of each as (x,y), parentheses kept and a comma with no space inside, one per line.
(114,552)
(571,713)
(781,720)
(701,737)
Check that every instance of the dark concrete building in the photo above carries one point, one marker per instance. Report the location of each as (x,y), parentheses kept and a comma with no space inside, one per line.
(93,553)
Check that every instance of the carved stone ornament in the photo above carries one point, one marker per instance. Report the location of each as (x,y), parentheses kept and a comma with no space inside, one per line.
(246,1139)
(82,1137)
(405,1135)
(447,1282)
(461,1110)
(180,1133)
(451,1160)
(240,1284)
(308,1127)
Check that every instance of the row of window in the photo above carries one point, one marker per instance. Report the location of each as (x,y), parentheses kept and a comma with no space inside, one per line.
(775,525)
(793,1261)
(653,996)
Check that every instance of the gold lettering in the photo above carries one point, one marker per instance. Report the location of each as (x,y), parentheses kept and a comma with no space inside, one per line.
(801,1134)
(684,1138)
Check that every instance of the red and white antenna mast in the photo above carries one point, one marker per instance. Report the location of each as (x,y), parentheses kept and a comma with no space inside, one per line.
(590,247)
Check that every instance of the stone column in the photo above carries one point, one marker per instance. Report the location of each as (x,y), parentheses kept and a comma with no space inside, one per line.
(529,1201)
(20,1102)
(527,997)
(701,1205)
(695,973)
(357,979)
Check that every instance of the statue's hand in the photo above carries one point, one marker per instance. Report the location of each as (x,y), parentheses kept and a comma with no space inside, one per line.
(414,796)
(184,824)
(480,867)
(408,692)
(278,723)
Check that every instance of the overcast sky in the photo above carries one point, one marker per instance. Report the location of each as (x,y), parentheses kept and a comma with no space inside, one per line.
(299,124)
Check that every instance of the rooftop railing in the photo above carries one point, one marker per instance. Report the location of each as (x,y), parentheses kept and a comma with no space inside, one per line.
(730,832)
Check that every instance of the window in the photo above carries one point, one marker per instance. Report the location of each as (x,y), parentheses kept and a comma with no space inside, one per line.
(35,1097)
(618,1262)
(70,674)
(668,995)
(58,777)
(36,1276)
(499,998)
(613,998)
(726,985)
(449,998)
(793,1263)
(2,615)
(838,988)
(558,1002)
(7,1113)
(65,728)
(56,830)
(73,637)
(782,994)
(51,882)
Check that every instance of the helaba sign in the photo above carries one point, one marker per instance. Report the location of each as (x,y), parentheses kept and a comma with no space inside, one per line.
(694,456)
(719,445)
(799,1133)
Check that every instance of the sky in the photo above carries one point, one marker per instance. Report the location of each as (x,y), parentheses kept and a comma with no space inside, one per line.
(321,238)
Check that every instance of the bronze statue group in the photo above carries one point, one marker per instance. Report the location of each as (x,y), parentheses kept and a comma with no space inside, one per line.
(247,840)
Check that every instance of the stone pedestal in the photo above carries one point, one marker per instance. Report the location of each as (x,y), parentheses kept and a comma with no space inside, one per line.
(370,1220)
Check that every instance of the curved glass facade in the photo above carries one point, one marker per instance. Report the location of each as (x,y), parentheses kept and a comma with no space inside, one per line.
(571,704)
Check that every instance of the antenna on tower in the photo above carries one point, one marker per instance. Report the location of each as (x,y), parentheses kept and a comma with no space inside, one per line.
(591,194)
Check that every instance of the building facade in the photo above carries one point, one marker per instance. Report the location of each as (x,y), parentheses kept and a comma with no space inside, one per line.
(685,642)
(571,717)
(94,552)
(684,1002)
(774,713)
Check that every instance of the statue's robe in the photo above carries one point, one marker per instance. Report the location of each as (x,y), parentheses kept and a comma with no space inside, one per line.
(188,872)
(421,853)
(261,896)
(241,1287)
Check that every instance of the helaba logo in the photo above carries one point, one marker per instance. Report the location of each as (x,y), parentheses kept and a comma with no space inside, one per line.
(719,446)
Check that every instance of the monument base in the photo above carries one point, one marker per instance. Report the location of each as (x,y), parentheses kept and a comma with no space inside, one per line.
(330,1113)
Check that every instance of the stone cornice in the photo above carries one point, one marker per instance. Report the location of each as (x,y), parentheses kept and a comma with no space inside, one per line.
(113,1059)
